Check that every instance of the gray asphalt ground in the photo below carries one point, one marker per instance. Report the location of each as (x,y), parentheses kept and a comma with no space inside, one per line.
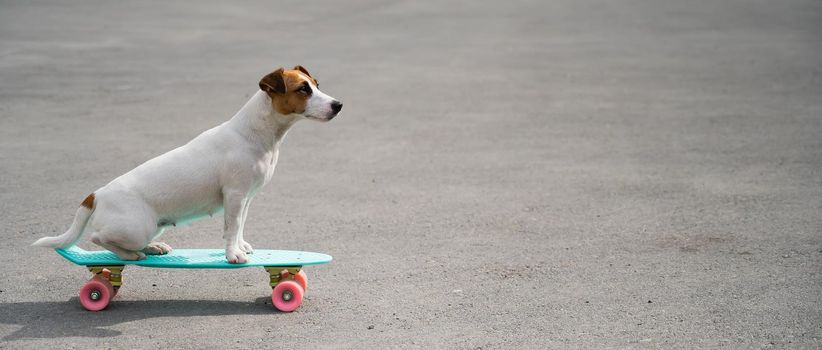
(545,174)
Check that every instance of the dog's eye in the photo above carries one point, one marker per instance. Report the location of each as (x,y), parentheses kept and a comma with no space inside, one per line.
(304,88)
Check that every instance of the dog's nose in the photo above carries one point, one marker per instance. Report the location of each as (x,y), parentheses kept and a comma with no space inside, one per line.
(336,106)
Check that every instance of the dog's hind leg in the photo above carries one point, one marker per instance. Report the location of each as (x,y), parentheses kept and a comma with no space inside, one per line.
(122,223)
(124,254)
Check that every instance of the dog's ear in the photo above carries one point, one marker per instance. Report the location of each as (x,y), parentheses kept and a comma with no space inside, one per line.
(302,69)
(273,83)
(305,71)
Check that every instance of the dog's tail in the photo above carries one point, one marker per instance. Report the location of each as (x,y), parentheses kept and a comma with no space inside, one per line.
(75,231)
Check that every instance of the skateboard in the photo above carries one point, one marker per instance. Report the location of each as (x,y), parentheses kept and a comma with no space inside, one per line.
(286,276)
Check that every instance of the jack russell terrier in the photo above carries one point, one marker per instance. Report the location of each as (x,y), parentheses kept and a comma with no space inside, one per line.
(219,170)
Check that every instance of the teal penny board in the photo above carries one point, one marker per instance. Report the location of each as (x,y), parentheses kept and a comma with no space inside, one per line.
(196,258)
(287,278)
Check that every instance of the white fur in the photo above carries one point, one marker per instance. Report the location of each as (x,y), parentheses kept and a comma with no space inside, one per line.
(319,105)
(218,171)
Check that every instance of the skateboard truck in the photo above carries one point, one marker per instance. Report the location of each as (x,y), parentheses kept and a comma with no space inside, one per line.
(114,274)
(277,273)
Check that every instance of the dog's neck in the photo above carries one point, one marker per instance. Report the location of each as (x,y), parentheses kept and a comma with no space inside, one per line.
(259,122)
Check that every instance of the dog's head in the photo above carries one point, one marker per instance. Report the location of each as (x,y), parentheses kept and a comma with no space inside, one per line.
(295,92)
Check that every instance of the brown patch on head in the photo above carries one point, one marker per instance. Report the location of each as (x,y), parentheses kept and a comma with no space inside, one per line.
(283,86)
(305,71)
(89,201)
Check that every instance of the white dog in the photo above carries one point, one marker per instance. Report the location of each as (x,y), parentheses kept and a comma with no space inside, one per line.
(219,170)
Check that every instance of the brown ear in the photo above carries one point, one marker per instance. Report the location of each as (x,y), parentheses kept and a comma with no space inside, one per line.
(273,83)
(302,69)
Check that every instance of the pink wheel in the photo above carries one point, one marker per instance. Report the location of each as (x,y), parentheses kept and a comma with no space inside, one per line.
(300,277)
(95,294)
(287,296)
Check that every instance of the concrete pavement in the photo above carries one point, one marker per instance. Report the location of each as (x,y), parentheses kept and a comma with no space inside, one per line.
(527,174)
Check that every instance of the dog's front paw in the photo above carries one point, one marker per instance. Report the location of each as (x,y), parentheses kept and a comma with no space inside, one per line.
(246,247)
(235,256)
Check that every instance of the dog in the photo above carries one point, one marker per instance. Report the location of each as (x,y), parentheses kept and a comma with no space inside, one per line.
(218,171)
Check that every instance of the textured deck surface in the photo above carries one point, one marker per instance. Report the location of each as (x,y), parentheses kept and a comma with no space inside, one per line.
(197,258)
